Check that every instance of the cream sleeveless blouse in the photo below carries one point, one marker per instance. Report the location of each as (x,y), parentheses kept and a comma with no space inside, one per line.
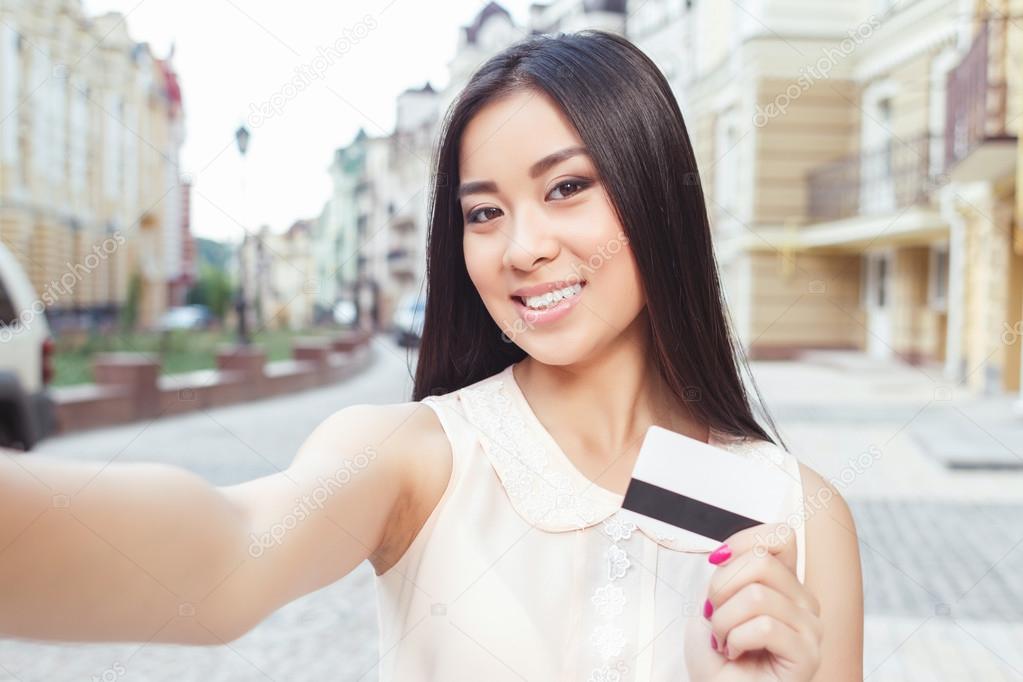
(524,570)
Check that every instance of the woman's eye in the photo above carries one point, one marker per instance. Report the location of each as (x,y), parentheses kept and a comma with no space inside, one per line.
(580,185)
(573,187)
(472,214)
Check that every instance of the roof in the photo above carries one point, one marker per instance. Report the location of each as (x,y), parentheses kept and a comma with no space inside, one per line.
(617,6)
(492,9)
(170,78)
(426,89)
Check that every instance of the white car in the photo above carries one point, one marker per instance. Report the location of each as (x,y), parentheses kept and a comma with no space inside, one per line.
(26,360)
(185,317)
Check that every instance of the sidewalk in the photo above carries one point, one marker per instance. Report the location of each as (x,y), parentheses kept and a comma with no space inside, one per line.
(941,544)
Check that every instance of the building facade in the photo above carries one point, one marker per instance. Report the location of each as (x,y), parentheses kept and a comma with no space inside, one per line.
(280,281)
(859,167)
(351,233)
(90,196)
(370,239)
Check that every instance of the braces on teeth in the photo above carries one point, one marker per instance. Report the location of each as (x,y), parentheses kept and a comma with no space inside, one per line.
(551,298)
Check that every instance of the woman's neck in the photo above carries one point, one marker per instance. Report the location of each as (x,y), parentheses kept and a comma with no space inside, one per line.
(599,409)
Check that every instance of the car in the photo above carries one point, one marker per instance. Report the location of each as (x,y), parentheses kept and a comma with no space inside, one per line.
(27,410)
(185,317)
(408,321)
(345,313)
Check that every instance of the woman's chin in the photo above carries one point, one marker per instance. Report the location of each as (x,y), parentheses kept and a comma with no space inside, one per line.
(554,349)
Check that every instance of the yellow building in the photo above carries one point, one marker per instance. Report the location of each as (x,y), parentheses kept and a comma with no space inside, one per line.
(280,280)
(89,182)
(860,170)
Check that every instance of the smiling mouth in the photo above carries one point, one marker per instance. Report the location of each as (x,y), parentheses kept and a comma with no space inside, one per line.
(551,298)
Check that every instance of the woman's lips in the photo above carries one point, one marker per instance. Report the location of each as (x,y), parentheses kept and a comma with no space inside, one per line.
(548,315)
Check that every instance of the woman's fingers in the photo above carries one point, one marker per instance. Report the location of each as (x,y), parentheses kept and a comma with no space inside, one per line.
(777,539)
(753,603)
(763,553)
(767,633)
(744,569)
(756,602)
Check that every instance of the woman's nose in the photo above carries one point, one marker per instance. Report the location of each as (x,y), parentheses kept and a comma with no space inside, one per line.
(530,243)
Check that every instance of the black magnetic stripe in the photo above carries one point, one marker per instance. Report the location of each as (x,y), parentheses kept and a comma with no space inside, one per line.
(682,511)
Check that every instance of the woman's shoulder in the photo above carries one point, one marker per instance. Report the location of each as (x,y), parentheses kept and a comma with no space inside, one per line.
(410,437)
(817,492)
(395,428)
(407,433)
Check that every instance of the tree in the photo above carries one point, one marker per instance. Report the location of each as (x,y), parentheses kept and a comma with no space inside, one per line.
(213,289)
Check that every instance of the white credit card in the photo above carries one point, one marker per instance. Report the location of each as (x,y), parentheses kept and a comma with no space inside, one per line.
(699,494)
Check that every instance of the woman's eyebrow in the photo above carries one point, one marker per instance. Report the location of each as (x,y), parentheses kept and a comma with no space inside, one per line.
(535,170)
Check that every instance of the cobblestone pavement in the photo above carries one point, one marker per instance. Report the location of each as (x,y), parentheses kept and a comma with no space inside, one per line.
(327,635)
(942,550)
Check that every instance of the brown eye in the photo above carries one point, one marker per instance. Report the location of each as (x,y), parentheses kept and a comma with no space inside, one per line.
(472,214)
(579,186)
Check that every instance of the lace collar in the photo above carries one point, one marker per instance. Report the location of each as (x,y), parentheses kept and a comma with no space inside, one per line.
(543,484)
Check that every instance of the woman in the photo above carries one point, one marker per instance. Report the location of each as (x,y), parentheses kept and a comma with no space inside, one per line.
(573,302)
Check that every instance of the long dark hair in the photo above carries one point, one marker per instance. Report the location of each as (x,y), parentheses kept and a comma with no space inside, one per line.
(629,120)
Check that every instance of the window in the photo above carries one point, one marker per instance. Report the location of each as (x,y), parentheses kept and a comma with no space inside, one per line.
(937,287)
(877,189)
(881,293)
(875,280)
(726,161)
(9,84)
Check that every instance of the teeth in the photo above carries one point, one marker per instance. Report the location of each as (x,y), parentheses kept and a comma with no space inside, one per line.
(552,297)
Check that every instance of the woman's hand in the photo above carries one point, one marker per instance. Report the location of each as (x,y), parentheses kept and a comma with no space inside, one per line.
(761,622)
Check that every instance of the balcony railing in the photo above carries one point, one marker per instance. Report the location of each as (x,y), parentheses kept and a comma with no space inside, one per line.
(896,175)
(976,109)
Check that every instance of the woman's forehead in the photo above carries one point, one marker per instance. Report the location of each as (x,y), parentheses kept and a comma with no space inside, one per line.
(512,133)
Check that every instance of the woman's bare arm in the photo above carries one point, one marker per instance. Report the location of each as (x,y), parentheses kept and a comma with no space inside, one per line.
(152,552)
(834,575)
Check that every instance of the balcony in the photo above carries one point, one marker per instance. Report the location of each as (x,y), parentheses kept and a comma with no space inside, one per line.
(978,144)
(884,180)
(401,262)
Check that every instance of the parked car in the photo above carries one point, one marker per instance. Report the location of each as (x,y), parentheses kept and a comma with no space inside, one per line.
(27,413)
(185,317)
(345,313)
(408,321)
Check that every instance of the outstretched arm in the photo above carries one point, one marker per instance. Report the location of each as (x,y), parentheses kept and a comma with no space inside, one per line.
(152,552)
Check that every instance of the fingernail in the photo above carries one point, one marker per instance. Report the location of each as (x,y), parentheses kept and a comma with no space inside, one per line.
(713,642)
(720,555)
(708,608)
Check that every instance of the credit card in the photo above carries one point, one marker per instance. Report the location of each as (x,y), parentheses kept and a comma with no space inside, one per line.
(697,494)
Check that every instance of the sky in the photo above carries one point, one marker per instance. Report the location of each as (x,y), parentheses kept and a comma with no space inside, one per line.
(233,56)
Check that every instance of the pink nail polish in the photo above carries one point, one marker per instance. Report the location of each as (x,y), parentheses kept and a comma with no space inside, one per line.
(708,608)
(720,555)
(713,642)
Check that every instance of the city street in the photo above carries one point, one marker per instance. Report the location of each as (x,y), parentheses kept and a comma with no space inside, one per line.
(942,550)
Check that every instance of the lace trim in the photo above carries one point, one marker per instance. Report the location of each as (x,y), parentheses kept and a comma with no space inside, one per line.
(544,496)
(608,637)
(551,498)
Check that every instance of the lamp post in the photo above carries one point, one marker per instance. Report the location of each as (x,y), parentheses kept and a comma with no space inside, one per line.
(242,136)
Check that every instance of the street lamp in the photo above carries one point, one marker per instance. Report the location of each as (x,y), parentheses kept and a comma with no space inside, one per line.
(242,136)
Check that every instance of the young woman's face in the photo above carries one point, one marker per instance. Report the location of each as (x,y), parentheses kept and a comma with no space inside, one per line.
(543,225)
